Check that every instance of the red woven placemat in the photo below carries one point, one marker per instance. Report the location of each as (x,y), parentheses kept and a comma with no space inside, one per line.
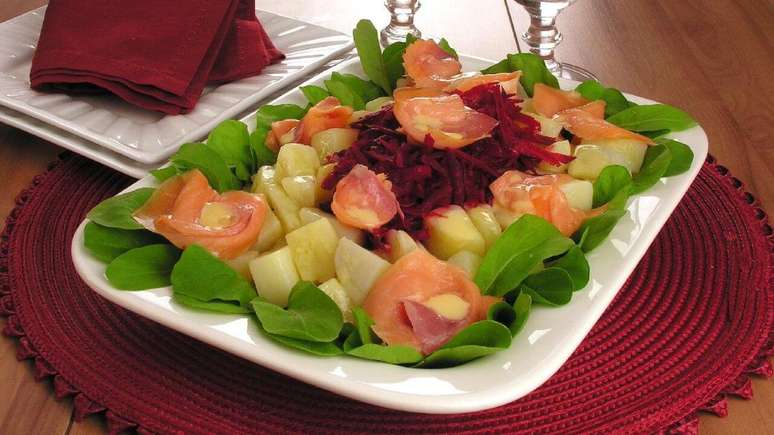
(692,323)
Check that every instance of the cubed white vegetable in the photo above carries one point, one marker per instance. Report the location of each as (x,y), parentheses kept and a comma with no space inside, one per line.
(548,127)
(357,269)
(285,208)
(333,140)
(590,159)
(313,246)
(377,104)
(308,215)
(484,219)
(296,159)
(271,232)
(301,189)
(338,294)
(401,243)
(579,193)
(559,147)
(274,275)
(265,175)
(467,261)
(242,263)
(451,231)
(631,151)
(323,195)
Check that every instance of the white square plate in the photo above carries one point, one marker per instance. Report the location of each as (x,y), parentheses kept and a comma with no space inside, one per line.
(146,136)
(548,339)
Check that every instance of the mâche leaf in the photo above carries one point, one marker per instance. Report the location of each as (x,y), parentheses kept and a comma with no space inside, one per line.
(231,141)
(610,181)
(107,243)
(311,315)
(657,160)
(392,57)
(615,101)
(346,96)
(367,90)
(200,156)
(594,230)
(314,94)
(202,276)
(222,307)
(444,44)
(576,265)
(521,308)
(370,53)
(653,117)
(116,212)
(162,174)
(394,354)
(533,70)
(551,286)
(479,339)
(143,268)
(681,157)
(501,312)
(524,243)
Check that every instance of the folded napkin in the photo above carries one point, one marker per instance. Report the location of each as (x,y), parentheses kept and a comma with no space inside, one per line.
(156,54)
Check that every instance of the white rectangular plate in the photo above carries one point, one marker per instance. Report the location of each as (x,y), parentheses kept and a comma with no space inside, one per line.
(549,338)
(145,136)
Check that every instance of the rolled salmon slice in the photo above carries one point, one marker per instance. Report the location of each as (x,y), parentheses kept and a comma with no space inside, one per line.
(521,193)
(187,211)
(587,126)
(549,101)
(397,301)
(429,65)
(328,113)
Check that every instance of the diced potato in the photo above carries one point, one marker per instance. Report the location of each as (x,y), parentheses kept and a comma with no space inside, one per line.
(452,231)
(632,151)
(308,215)
(486,223)
(357,115)
(449,306)
(242,263)
(377,104)
(579,193)
(333,140)
(285,208)
(590,159)
(301,189)
(357,269)
(323,195)
(335,291)
(271,232)
(264,176)
(401,243)
(296,159)
(505,217)
(467,261)
(559,147)
(313,246)
(274,275)
(548,127)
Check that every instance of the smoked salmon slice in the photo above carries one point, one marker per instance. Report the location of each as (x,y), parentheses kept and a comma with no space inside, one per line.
(509,82)
(587,126)
(451,124)
(549,101)
(595,108)
(328,113)
(397,300)
(364,200)
(519,193)
(278,130)
(177,207)
(428,65)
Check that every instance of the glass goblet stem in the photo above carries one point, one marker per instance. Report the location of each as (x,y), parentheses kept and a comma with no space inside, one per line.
(542,36)
(401,21)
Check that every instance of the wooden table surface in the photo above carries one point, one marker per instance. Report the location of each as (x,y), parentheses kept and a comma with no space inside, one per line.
(709,58)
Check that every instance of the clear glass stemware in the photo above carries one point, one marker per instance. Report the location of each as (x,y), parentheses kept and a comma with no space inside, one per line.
(542,36)
(401,21)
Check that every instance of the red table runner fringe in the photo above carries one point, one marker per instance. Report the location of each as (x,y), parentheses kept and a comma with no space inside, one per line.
(84,406)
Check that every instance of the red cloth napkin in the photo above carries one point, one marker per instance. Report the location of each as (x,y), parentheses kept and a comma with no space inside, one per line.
(156,54)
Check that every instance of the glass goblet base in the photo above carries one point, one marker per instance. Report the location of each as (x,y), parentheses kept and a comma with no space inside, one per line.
(392,33)
(574,72)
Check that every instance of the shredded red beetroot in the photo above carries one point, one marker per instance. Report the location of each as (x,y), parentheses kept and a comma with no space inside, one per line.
(424,178)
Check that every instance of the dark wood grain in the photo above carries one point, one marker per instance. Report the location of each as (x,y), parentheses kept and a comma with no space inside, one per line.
(711,58)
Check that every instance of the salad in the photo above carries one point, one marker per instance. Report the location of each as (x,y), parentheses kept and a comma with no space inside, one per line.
(412,216)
